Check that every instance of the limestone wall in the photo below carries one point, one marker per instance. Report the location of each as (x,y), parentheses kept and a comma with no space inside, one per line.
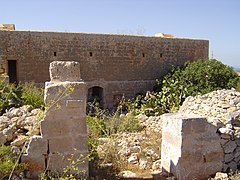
(122,62)
(63,131)
(224,107)
(107,57)
(204,137)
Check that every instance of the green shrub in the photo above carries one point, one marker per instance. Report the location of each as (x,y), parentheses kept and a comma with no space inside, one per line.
(32,95)
(102,124)
(198,77)
(7,162)
(12,95)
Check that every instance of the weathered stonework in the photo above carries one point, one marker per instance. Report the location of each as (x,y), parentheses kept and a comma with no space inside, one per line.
(222,107)
(63,130)
(119,64)
(191,147)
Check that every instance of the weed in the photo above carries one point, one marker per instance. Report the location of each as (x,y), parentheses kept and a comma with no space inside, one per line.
(7,162)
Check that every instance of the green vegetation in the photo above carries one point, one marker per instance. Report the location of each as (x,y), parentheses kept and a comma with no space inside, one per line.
(12,95)
(102,124)
(7,162)
(198,77)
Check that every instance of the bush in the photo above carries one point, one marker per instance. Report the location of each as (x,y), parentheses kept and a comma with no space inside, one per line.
(12,95)
(198,77)
(32,95)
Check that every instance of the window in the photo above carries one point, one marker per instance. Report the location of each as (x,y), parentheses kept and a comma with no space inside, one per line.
(55,54)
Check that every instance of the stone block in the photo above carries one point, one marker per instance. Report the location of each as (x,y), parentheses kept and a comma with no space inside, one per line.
(58,162)
(80,143)
(61,144)
(37,146)
(36,164)
(55,128)
(75,104)
(198,147)
(64,71)
(78,126)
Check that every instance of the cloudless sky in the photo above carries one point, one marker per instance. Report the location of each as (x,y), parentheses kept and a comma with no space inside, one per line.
(215,20)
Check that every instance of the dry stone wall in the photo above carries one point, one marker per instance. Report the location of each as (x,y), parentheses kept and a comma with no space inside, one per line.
(222,106)
(203,137)
(63,131)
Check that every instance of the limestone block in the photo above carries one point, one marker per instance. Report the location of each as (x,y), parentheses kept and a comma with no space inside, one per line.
(75,104)
(37,154)
(37,145)
(80,143)
(58,93)
(55,128)
(61,144)
(63,129)
(78,126)
(36,164)
(59,162)
(64,71)
(196,151)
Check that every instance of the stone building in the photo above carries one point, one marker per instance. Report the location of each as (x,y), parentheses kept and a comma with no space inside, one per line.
(111,65)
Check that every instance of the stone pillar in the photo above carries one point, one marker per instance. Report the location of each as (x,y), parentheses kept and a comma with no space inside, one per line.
(191,147)
(63,131)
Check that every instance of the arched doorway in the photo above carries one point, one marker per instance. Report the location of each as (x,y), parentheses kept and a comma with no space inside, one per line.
(95,97)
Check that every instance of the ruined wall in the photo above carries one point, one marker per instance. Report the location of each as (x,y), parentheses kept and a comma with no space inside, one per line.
(191,148)
(109,58)
(203,137)
(63,137)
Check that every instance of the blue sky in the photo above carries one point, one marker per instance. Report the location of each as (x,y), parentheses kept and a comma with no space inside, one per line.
(215,20)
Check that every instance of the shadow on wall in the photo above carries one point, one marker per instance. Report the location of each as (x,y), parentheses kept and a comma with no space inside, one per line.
(95,98)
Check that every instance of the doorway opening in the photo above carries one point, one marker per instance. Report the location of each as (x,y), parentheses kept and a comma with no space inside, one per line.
(94,99)
(12,71)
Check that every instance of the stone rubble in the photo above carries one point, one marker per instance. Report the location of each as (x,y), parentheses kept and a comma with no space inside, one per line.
(221,104)
(18,124)
(141,149)
(224,107)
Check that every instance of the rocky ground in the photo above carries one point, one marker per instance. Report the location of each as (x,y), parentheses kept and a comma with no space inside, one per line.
(138,153)
(18,124)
